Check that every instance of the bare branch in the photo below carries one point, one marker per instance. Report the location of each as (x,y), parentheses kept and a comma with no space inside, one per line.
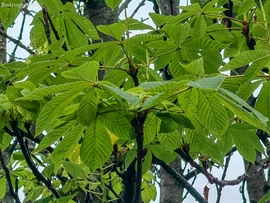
(123,6)
(15,41)
(142,3)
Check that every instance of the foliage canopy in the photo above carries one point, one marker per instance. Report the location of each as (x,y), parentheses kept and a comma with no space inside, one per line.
(84,126)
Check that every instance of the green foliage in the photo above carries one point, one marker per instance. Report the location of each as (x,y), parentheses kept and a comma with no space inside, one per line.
(93,125)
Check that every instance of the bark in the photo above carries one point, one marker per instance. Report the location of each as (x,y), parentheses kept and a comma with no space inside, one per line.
(170,190)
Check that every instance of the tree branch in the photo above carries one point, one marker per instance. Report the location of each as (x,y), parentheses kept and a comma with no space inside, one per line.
(142,3)
(15,41)
(180,179)
(123,6)
(26,154)
(13,194)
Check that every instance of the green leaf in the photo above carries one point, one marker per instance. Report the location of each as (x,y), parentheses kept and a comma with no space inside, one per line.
(134,24)
(168,86)
(149,192)
(159,19)
(208,83)
(113,3)
(117,92)
(3,187)
(115,30)
(72,30)
(192,8)
(204,43)
(88,107)
(199,29)
(74,170)
(212,114)
(245,7)
(245,58)
(170,140)
(87,71)
(265,198)
(54,135)
(163,154)
(67,145)
(117,124)
(130,156)
(34,194)
(251,72)
(65,199)
(96,147)
(195,67)
(53,109)
(155,100)
(241,109)
(150,128)
(263,103)
(246,141)
(53,89)
(178,32)
(147,161)
(9,11)
(51,6)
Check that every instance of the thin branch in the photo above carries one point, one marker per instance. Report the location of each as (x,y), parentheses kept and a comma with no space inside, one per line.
(223,176)
(123,6)
(19,38)
(180,179)
(46,24)
(30,162)
(12,192)
(142,3)
(15,41)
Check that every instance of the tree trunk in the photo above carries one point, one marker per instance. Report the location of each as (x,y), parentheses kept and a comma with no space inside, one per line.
(170,190)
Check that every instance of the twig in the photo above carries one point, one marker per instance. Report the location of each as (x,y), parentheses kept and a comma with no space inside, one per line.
(142,3)
(180,179)
(20,36)
(124,5)
(13,194)
(29,161)
(15,41)
(223,176)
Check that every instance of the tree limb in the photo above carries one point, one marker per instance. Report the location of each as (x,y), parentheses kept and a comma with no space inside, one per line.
(13,194)
(15,41)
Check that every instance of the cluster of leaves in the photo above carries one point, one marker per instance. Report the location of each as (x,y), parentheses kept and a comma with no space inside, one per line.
(58,94)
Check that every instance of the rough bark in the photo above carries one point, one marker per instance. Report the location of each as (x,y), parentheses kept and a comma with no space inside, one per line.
(170,190)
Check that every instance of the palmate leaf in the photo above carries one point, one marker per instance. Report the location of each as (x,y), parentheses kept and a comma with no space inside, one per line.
(178,32)
(149,192)
(117,124)
(263,103)
(246,141)
(3,181)
(212,114)
(163,154)
(168,86)
(88,107)
(88,71)
(159,19)
(96,147)
(53,109)
(134,24)
(204,43)
(67,145)
(55,135)
(245,58)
